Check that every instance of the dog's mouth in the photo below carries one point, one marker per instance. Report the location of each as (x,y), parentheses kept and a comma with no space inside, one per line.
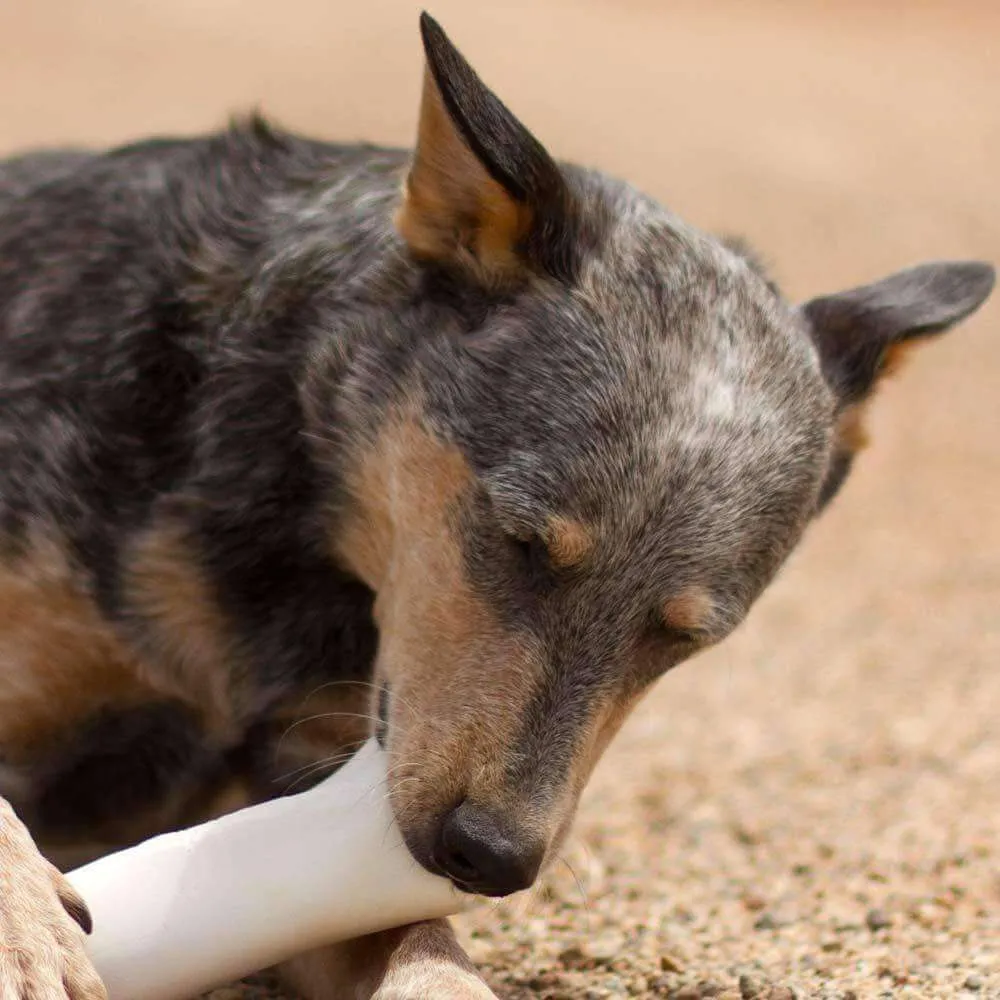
(476,842)
(431,864)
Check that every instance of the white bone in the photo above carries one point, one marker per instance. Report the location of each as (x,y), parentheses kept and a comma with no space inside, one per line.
(184,912)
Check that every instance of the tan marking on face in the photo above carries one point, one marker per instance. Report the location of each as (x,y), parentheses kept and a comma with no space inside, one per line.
(453,210)
(365,534)
(192,657)
(569,542)
(690,611)
(460,680)
(401,486)
(60,660)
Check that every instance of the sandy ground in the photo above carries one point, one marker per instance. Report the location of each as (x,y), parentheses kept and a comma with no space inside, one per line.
(817,803)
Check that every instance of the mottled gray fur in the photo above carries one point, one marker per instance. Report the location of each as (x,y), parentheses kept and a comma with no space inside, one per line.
(206,335)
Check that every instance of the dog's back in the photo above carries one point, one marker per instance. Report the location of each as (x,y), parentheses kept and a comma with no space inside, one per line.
(132,285)
(97,366)
(21,176)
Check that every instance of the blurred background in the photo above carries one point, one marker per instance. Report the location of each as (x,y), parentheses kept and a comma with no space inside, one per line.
(818,801)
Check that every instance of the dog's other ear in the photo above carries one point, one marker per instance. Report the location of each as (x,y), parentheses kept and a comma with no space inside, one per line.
(861,335)
(862,332)
(483,196)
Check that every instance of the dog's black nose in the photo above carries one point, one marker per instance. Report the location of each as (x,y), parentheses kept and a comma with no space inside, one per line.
(482,853)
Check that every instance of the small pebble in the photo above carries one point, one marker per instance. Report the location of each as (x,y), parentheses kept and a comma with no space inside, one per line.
(686,993)
(766,922)
(783,993)
(606,948)
(973,982)
(670,963)
(573,958)
(878,920)
(661,986)
(751,987)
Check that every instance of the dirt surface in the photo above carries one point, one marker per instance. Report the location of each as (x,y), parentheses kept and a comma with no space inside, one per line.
(817,803)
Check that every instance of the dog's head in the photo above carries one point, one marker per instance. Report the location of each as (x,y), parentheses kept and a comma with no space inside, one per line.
(610,432)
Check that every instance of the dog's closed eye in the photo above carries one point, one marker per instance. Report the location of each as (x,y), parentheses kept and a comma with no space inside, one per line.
(678,635)
(663,645)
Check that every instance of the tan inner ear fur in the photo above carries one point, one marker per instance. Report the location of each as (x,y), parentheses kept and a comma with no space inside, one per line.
(453,211)
(851,432)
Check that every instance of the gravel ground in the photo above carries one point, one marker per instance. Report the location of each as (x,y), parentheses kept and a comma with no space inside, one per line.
(811,810)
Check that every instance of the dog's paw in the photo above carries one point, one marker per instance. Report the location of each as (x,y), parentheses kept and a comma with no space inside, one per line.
(42,924)
(433,981)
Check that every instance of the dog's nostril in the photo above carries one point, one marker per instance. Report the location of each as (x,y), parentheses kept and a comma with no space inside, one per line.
(481,852)
(459,865)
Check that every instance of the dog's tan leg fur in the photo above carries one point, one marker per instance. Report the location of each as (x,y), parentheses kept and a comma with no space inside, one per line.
(41,915)
(420,962)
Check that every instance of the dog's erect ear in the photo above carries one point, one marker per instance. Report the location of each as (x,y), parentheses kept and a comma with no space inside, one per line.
(862,333)
(482,196)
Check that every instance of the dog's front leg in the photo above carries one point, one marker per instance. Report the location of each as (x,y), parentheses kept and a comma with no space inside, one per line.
(420,962)
(41,916)
(428,962)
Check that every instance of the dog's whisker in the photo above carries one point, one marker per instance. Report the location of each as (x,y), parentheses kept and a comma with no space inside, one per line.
(584,898)
(366,716)
(332,760)
(314,767)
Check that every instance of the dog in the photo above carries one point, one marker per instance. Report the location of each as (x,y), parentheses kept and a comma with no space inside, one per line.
(302,443)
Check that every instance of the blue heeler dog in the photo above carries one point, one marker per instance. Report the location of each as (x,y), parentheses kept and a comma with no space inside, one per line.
(463,448)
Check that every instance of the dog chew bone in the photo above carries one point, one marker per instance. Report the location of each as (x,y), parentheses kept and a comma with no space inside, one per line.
(187,911)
